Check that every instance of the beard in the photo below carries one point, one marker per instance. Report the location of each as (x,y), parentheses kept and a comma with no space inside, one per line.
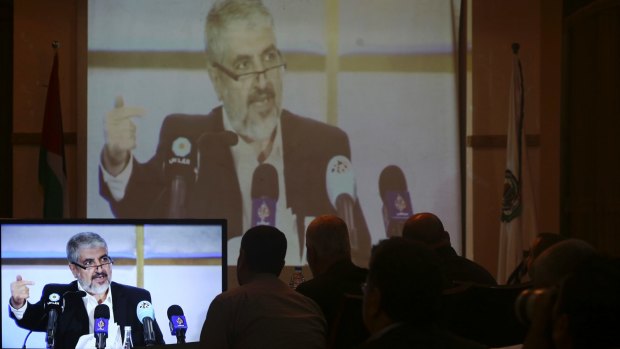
(92,288)
(260,117)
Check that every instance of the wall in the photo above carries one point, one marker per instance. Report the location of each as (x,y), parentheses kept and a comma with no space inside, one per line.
(37,23)
(536,26)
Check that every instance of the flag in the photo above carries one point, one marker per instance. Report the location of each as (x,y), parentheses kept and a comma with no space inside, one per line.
(52,169)
(518,218)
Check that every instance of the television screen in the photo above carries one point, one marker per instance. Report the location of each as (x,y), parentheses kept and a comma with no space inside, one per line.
(180,262)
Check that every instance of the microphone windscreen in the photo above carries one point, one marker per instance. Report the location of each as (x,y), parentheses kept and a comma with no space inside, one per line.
(102,311)
(265,182)
(144,310)
(392,178)
(174,310)
(339,178)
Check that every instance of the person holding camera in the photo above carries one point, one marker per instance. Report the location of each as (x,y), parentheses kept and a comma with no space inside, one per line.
(583,311)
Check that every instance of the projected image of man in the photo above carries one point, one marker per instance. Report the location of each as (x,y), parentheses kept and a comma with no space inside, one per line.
(251,128)
(74,323)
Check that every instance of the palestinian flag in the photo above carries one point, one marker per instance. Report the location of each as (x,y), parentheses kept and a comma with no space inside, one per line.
(52,168)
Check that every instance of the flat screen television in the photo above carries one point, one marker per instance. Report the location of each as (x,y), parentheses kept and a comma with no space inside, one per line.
(180,262)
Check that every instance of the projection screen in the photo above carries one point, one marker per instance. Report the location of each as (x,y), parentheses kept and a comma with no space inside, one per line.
(381,71)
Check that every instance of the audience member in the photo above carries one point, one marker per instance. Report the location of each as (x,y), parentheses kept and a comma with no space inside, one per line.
(522,273)
(334,276)
(559,261)
(263,312)
(402,298)
(584,313)
(428,229)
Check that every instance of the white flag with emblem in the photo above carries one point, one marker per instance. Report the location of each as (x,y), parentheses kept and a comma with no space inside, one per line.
(518,218)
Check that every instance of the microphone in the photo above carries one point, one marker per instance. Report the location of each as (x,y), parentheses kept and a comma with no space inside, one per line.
(178,325)
(179,169)
(340,183)
(54,306)
(396,200)
(265,193)
(102,317)
(146,315)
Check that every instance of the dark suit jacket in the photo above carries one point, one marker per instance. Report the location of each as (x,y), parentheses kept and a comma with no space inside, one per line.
(328,291)
(308,145)
(73,322)
(462,270)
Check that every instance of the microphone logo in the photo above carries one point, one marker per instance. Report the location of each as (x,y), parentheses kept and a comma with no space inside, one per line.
(180,321)
(54,297)
(181,147)
(264,212)
(101,324)
(144,305)
(340,165)
(398,207)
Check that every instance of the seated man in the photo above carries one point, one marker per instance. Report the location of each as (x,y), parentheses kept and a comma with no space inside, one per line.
(92,267)
(428,229)
(329,258)
(263,312)
(559,261)
(582,312)
(402,298)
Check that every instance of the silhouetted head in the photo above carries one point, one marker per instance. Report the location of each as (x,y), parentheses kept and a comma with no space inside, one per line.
(263,249)
(559,261)
(404,284)
(327,241)
(427,229)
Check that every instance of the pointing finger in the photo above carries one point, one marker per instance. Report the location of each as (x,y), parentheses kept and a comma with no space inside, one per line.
(122,112)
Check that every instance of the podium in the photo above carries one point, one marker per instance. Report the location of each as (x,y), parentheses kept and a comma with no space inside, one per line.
(189,345)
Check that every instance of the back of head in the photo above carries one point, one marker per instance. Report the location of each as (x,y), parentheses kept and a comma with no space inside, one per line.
(83,240)
(427,229)
(559,261)
(408,277)
(329,236)
(223,13)
(264,249)
(590,297)
(543,241)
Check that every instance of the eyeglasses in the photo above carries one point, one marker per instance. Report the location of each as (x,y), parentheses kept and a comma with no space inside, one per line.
(90,264)
(249,75)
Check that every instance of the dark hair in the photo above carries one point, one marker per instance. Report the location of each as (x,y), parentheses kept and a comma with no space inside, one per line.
(264,249)
(591,299)
(409,279)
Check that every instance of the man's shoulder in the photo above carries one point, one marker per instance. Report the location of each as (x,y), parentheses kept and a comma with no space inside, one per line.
(126,289)
(306,124)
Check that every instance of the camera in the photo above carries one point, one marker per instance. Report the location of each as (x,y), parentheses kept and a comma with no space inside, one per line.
(528,300)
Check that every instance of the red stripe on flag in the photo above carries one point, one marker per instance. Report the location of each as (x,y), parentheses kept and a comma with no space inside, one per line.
(52,133)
